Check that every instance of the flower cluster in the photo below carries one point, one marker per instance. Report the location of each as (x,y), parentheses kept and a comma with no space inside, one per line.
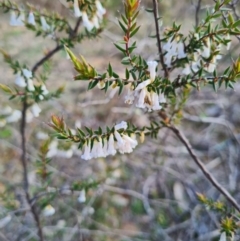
(8,115)
(24,80)
(174,49)
(206,57)
(146,99)
(89,24)
(117,141)
(19,20)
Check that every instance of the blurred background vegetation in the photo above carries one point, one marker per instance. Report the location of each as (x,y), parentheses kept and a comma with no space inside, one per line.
(147,195)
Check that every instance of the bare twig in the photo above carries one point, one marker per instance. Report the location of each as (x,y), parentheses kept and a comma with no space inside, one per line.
(23,124)
(160,51)
(198,8)
(207,174)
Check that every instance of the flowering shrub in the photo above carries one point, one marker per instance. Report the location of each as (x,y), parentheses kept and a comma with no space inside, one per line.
(156,85)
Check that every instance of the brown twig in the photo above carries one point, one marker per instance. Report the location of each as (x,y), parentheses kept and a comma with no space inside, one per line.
(198,8)
(25,106)
(158,36)
(207,174)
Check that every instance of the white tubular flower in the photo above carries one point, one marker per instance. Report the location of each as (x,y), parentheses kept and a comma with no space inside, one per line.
(21,19)
(31,19)
(110,146)
(168,60)
(141,99)
(119,138)
(35,110)
(100,9)
(77,12)
(95,22)
(20,81)
(152,69)
(82,196)
(27,73)
(186,70)
(143,84)
(168,45)
(87,151)
(121,125)
(223,237)
(155,101)
(30,85)
(196,62)
(162,98)
(13,19)
(97,150)
(211,66)
(129,98)
(86,22)
(14,117)
(45,26)
(49,210)
(206,52)
(44,89)
(128,144)
(180,51)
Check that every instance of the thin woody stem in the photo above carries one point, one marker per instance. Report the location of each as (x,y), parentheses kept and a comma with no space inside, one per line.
(198,8)
(207,174)
(23,125)
(158,36)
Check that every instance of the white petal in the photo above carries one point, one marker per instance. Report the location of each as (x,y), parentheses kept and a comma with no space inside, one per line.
(87,155)
(77,12)
(86,22)
(27,73)
(31,19)
(152,69)
(44,89)
(100,9)
(168,60)
(121,125)
(13,19)
(162,98)
(20,81)
(35,110)
(155,101)
(223,237)
(111,147)
(186,70)
(120,140)
(30,85)
(95,22)
(44,24)
(181,52)
(82,196)
(14,117)
(48,211)
(143,84)
(140,103)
